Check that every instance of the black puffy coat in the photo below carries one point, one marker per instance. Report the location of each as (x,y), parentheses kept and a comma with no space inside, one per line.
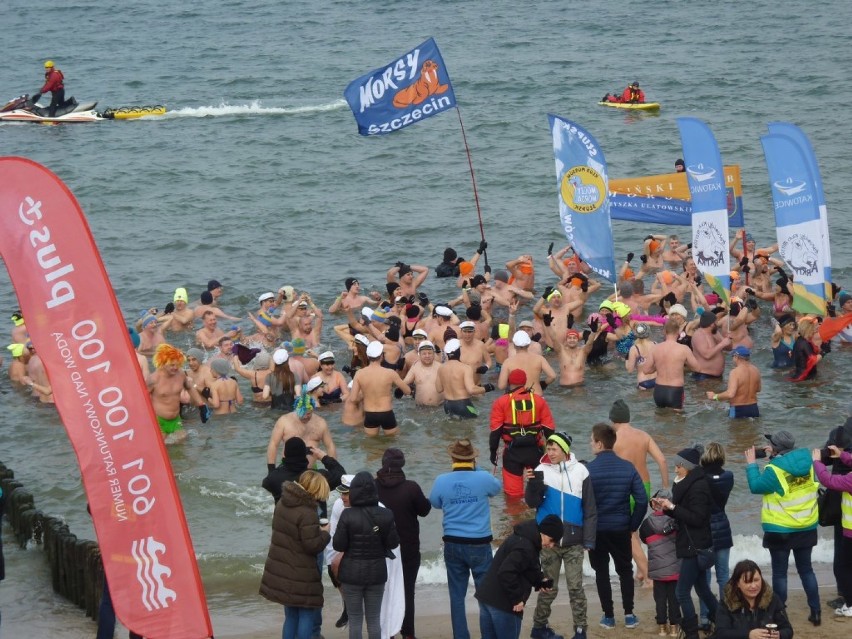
(515,569)
(734,621)
(365,533)
(692,500)
(721,483)
(291,576)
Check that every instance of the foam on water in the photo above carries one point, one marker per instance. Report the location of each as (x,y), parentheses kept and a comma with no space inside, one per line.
(252,108)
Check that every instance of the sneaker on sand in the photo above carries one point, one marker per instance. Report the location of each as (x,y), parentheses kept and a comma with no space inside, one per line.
(607,622)
(544,632)
(631,621)
(844,611)
(579,633)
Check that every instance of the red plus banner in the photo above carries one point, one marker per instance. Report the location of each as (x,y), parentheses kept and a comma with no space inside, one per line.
(77,328)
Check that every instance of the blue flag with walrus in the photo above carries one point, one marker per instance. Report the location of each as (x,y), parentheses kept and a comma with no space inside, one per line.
(409,89)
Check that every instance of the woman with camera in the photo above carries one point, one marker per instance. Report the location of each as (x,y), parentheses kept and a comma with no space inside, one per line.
(291,575)
(749,609)
(366,534)
(690,505)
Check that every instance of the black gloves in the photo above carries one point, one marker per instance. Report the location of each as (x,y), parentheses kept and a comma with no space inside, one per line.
(493,457)
(424,299)
(746,269)
(536,337)
(630,257)
(744,261)
(170,308)
(751,303)
(644,259)
(397,392)
(698,279)
(205,392)
(270,468)
(36,97)
(550,249)
(481,370)
(482,246)
(594,324)
(488,387)
(647,237)
(570,320)
(831,309)
(543,386)
(825,348)
(689,246)
(547,318)
(547,291)
(487,268)
(610,319)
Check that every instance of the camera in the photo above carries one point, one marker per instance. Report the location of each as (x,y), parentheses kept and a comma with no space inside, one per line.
(759,453)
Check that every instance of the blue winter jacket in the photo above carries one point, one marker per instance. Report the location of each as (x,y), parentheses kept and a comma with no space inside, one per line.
(614,481)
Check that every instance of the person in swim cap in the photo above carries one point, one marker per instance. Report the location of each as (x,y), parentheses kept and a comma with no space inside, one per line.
(181,318)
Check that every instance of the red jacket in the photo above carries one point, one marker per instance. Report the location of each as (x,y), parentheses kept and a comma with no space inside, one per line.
(53,82)
(532,417)
(633,95)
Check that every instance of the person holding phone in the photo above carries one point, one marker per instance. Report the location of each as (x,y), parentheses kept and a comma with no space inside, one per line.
(514,572)
(560,485)
(749,609)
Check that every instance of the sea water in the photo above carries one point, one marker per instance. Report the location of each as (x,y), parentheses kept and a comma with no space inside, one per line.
(257,177)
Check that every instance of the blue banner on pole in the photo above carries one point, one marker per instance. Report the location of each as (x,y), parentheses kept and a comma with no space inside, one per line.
(583,195)
(710,241)
(412,88)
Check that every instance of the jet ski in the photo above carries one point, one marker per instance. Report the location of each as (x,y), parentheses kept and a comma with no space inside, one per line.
(24,109)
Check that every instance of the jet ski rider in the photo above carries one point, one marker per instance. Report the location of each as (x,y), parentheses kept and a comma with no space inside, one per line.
(53,82)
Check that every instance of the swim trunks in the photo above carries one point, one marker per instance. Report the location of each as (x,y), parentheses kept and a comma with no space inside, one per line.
(169,426)
(647,384)
(463,408)
(746,410)
(647,486)
(385,420)
(700,377)
(668,396)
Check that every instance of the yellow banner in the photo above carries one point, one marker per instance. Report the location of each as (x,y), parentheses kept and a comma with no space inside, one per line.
(672,185)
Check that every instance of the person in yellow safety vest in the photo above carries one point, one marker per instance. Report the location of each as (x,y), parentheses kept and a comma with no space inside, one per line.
(789,515)
(523,421)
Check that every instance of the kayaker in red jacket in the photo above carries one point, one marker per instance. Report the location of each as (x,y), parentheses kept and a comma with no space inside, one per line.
(54,82)
(633,94)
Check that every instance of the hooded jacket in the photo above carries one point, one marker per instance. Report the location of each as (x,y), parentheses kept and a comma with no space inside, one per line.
(406,501)
(515,569)
(365,533)
(734,621)
(565,491)
(691,497)
(291,469)
(659,533)
(290,576)
(798,463)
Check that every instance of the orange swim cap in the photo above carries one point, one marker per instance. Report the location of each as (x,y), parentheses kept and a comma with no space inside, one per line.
(525,268)
(629,274)
(168,354)
(735,275)
(667,277)
(465,268)
(654,246)
(576,281)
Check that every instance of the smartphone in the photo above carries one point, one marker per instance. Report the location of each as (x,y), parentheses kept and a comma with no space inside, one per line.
(538,474)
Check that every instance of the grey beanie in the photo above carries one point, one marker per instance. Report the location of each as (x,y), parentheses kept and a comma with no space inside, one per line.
(620,412)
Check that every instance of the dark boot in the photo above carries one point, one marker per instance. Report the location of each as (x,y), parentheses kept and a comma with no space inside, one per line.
(344,619)
(689,627)
(815,617)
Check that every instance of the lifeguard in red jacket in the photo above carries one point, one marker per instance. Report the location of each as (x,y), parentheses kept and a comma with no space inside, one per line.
(54,82)
(633,94)
(523,421)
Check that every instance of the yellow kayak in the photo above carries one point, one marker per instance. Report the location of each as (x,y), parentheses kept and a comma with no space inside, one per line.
(633,106)
(132,112)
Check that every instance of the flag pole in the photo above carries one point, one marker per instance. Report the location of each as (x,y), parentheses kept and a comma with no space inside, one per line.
(473,181)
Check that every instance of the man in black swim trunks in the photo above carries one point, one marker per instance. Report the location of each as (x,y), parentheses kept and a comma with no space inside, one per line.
(667,360)
(373,384)
(456,382)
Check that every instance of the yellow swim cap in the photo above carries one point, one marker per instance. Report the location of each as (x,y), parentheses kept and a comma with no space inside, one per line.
(556,293)
(181,295)
(48,64)
(503,331)
(16,349)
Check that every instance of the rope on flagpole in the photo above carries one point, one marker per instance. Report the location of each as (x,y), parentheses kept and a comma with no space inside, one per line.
(473,181)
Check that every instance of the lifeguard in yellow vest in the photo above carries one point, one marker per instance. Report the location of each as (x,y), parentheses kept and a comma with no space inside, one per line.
(523,421)
(789,514)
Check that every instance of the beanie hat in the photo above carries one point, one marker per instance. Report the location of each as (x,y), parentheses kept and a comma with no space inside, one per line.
(552,527)
(689,458)
(518,377)
(393,458)
(349,281)
(295,447)
(619,413)
(708,318)
(563,440)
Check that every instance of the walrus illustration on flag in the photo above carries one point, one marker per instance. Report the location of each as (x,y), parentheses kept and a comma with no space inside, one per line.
(427,84)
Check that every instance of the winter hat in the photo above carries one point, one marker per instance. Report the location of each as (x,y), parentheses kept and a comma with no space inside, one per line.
(563,440)
(708,318)
(552,527)
(295,447)
(620,412)
(393,458)
(689,458)
(782,441)
(517,377)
